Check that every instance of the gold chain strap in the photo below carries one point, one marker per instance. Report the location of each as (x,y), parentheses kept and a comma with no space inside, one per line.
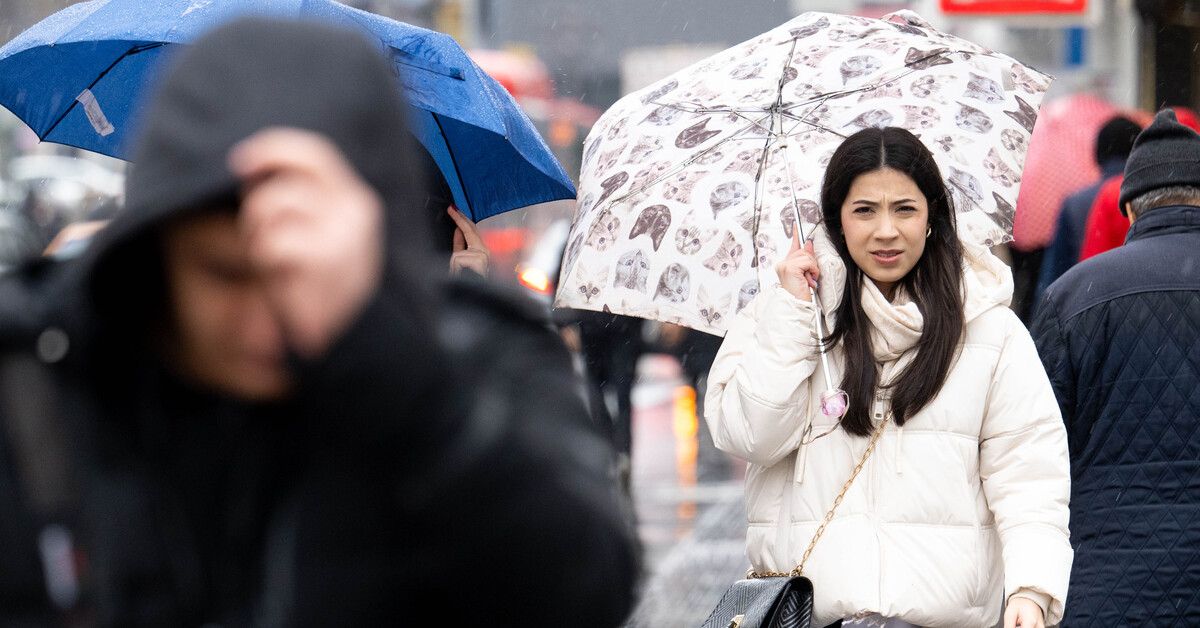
(829,515)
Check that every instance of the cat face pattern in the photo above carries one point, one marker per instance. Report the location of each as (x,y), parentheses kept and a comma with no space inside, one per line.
(678,187)
(589,282)
(710,309)
(727,258)
(691,237)
(727,195)
(670,192)
(633,268)
(603,234)
(674,285)
(653,221)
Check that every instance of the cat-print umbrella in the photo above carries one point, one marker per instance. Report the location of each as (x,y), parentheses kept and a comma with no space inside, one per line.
(690,187)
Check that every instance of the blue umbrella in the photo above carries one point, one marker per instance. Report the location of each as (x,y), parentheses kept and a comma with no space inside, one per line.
(80,78)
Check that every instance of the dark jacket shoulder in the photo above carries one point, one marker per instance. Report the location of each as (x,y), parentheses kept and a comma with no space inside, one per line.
(1162,252)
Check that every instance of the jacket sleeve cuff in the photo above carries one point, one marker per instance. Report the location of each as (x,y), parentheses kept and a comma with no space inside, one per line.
(785,339)
(1041,599)
(786,326)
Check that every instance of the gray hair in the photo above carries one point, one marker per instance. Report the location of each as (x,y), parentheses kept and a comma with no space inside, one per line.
(1164,197)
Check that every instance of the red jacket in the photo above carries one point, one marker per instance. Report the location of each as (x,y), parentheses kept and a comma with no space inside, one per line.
(1106,225)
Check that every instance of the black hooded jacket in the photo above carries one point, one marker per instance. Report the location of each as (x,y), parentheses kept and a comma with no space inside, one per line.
(434,463)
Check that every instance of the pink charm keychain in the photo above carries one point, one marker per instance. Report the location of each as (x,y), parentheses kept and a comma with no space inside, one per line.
(834,403)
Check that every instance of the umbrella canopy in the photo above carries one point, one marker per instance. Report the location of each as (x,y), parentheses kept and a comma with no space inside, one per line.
(1061,160)
(81,76)
(690,187)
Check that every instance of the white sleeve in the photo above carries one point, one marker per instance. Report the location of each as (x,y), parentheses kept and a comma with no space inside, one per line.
(758,388)
(1025,469)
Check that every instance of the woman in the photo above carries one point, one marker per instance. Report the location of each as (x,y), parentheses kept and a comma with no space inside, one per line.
(962,505)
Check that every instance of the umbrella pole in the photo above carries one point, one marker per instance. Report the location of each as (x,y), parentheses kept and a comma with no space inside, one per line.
(828,404)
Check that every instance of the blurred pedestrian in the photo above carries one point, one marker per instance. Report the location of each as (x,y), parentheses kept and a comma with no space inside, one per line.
(1113,143)
(286,416)
(962,503)
(611,345)
(1107,224)
(1117,335)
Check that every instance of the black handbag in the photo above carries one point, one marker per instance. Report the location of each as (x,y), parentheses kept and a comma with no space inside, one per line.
(776,602)
(780,600)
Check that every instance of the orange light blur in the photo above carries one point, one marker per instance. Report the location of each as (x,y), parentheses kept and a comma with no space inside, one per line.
(535,280)
(685,426)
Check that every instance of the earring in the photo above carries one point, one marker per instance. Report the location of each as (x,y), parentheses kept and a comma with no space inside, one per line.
(928,231)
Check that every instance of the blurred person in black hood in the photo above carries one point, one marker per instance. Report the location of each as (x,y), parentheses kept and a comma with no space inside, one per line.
(285,414)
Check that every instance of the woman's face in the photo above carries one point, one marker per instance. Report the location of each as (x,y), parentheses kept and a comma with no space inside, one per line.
(884,218)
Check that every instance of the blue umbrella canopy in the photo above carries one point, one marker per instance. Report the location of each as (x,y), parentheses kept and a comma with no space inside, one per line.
(82,76)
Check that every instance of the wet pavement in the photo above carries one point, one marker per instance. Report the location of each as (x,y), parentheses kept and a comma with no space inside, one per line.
(688,499)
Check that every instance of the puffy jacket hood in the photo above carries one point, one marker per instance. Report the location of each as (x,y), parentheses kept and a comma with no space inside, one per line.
(245,76)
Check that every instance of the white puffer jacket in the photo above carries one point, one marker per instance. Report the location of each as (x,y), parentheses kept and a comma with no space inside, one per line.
(962,507)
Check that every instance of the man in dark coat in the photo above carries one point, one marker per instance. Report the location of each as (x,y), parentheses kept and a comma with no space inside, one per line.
(1118,335)
(284,414)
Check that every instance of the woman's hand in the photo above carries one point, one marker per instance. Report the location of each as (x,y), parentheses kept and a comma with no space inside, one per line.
(798,272)
(1023,612)
(469,252)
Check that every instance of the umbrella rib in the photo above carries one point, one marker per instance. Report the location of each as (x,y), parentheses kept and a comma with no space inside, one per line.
(814,125)
(787,165)
(788,112)
(787,65)
(776,110)
(754,123)
(758,184)
(823,98)
(711,110)
(470,203)
(132,51)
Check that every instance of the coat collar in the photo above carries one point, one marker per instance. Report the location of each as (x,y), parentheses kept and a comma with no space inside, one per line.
(1165,221)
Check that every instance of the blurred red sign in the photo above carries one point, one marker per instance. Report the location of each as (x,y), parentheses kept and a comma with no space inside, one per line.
(1009,7)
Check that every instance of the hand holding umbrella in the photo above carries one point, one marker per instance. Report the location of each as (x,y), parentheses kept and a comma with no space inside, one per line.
(469,251)
(798,271)
(798,274)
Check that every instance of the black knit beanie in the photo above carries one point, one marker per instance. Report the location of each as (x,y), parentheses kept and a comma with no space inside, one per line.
(1167,153)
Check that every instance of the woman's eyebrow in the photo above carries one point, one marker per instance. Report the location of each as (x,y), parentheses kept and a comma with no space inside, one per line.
(902,201)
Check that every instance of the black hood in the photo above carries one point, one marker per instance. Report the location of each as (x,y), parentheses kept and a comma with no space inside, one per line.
(242,77)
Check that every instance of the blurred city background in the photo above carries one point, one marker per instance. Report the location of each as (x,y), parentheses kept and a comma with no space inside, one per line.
(565,62)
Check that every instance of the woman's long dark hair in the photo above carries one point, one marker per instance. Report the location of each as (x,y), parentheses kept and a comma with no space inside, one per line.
(934,284)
